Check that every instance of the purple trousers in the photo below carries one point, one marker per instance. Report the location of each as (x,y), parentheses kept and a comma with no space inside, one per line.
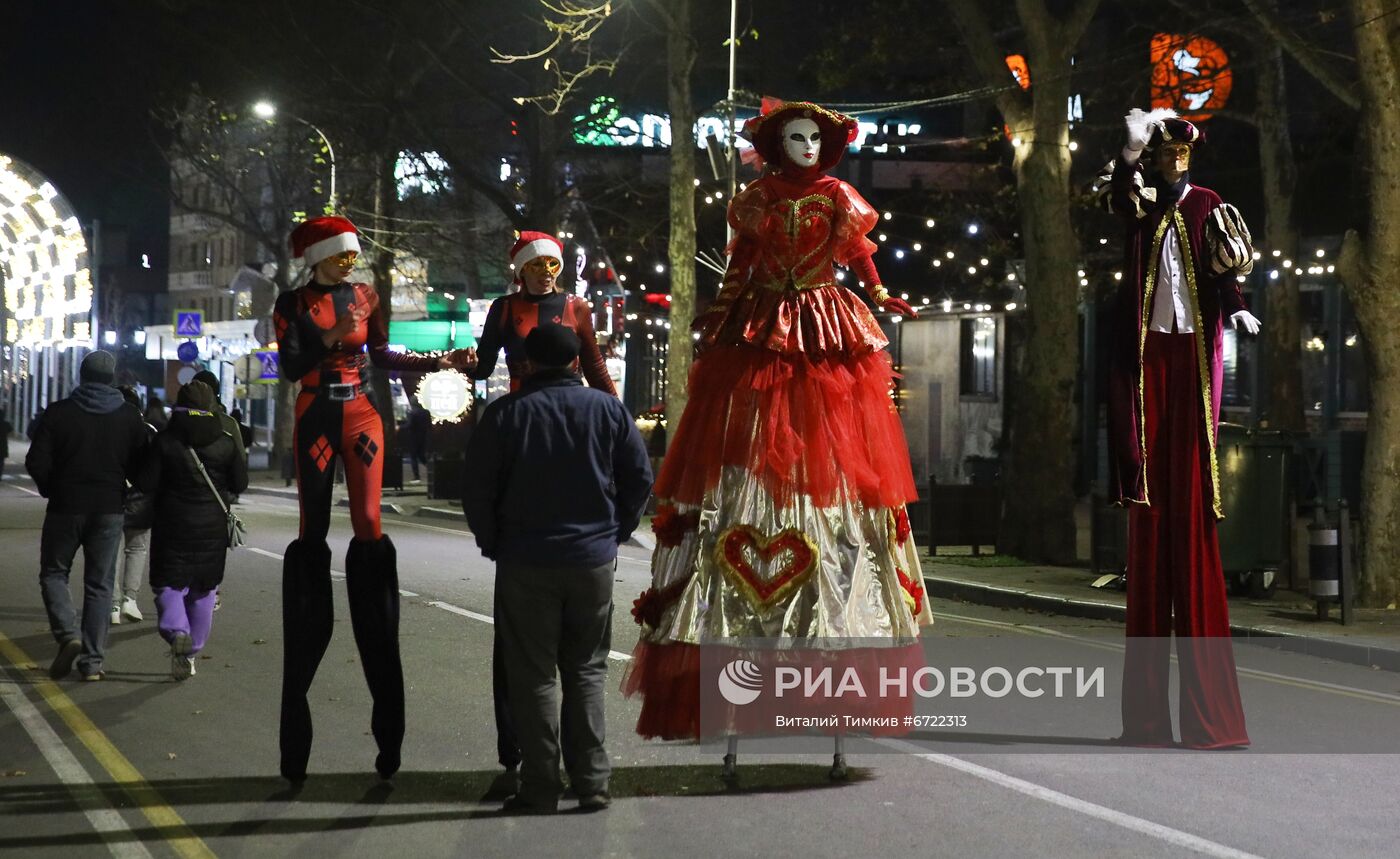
(185,610)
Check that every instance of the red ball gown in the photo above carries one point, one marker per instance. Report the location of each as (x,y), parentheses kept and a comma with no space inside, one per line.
(781,502)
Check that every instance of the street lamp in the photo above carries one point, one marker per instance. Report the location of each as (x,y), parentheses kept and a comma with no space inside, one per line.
(268,110)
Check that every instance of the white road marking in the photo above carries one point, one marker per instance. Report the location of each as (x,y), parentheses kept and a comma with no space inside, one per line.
(70,772)
(1174,837)
(484,618)
(1270,676)
(615,655)
(13,485)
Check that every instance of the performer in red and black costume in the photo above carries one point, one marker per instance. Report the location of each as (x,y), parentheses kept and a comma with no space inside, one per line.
(1185,249)
(328,333)
(537,259)
(781,502)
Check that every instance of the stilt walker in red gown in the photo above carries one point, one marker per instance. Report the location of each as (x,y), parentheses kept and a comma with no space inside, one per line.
(1185,249)
(781,501)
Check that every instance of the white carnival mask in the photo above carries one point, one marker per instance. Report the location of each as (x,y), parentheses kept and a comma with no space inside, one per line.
(802,142)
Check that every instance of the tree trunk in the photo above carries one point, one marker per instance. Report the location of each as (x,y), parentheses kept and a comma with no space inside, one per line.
(1370,258)
(542,190)
(383,268)
(284,414)
(680,50)
(1038,509)
(1281,338)
(1037,517)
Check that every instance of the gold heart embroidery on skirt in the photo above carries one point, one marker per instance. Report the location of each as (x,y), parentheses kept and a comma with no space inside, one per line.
(732,553)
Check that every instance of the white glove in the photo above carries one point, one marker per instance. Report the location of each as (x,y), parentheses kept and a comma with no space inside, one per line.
(1139,129)
(1247,319)
(1141,124)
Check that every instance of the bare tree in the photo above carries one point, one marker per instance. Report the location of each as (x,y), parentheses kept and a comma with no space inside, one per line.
(1369,259)
(1282,335)
(254,177)
(570,58)
(680,60)
(1038,512)
(1370,256)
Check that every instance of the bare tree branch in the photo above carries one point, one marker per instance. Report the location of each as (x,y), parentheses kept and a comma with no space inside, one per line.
(1266,13)
(572,26)
(1074,24)
(988,58)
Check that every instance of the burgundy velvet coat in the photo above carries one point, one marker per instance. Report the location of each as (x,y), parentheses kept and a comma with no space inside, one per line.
(1215,299)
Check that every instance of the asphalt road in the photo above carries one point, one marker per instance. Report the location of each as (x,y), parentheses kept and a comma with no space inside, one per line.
(139,765)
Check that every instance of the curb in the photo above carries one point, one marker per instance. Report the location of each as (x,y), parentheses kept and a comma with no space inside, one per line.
(384,506)
(1353,653)
(288,492)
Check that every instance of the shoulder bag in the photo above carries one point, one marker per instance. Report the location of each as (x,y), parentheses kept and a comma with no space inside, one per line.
(237,533)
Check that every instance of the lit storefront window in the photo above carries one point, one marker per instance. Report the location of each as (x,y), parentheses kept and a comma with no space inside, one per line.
(978,357)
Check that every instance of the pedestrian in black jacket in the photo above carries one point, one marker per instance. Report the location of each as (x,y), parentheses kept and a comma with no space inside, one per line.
(562,480)
(189,541)
(81,455)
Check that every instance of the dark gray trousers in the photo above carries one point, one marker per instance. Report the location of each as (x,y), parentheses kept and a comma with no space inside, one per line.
(557,618)
(99,535)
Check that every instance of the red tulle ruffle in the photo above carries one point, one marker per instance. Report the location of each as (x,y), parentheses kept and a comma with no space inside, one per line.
(823,428)
(668,676)
(829,320)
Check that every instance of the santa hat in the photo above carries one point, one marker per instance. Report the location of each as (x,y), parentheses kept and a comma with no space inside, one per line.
(531,245)
(322,238)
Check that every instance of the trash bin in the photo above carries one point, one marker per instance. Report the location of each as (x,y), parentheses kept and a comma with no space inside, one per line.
(445,477)
(1256,481)
(982,470)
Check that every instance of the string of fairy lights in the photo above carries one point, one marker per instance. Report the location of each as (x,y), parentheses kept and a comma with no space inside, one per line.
(966,279)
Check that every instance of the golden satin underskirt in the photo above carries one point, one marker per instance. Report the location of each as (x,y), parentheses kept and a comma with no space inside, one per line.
(853,590)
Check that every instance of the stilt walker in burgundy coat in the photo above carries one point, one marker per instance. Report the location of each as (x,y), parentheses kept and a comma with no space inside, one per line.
(1185,250)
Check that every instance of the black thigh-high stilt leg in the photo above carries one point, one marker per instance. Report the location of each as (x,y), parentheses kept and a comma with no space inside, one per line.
(372,582)
(307,618)
(507,744)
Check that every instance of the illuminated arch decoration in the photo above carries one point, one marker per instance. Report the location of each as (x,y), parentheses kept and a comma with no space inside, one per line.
(1190,74)
(43,262)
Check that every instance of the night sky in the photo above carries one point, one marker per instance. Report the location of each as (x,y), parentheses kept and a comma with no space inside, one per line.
(79,83)
(81,77)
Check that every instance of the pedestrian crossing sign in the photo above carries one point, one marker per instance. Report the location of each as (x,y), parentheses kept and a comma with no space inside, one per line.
(189,323)
(267,373)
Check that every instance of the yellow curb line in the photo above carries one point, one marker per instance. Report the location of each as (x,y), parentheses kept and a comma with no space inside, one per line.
(177,833)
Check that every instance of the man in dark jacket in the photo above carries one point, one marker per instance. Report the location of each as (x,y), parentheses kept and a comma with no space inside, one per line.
(563,479)
(82,454)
